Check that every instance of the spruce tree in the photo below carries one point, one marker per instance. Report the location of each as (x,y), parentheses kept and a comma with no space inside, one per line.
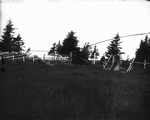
(70,44)
(81,57)
(143,52)
(102,60)
(58,48)
(52,50)
(114,48)
(17,44)
(7,38)
(86,51)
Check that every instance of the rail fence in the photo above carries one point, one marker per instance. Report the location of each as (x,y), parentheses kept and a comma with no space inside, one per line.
(67,59)
(127,66)
(48,60)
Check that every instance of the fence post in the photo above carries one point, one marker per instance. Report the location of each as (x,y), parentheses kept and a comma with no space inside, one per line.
(144,63)
(13,57)
(54,55)
(23,58)
(70,58)
(94,58)
(44,57)
(33,58)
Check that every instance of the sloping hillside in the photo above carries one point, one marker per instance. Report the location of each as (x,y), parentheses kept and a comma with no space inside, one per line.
(34,91)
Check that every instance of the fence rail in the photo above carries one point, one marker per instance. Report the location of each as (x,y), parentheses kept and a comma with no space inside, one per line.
(58,59)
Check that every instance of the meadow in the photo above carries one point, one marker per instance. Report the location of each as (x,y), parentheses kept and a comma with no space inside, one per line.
(34,91)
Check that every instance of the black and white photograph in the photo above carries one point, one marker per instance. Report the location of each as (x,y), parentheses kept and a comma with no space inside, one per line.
(74,59)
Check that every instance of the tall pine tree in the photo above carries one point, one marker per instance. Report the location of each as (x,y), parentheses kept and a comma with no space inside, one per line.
(7,38)
(70,44)
(114,48)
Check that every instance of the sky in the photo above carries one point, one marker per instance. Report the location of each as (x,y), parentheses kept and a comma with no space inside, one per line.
(43,22)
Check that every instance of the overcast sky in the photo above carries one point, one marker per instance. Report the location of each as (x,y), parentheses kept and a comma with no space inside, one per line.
(43,22)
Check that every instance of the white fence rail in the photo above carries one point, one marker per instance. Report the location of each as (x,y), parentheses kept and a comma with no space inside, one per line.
(50,60)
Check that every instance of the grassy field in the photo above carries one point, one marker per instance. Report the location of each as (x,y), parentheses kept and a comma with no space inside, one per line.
(32,91)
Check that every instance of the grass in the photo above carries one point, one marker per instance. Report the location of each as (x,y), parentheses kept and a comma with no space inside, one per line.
(33,91)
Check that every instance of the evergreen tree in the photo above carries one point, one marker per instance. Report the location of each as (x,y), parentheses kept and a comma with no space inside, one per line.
(86,51)
(1,44)
(58,48)
(7,38)
(143,53)
(17,44)
(114,49)
(95,51)
(52,50)
(69,44)
(102,60)
(81,57)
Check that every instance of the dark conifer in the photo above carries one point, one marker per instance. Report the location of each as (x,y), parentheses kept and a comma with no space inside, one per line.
(86,51)
(114,49)
(52,50)
(143,52)
(70,44)
(17,44)
(7,38)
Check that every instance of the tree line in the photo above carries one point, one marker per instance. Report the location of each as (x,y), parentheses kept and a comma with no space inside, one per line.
(70,44)
(80,55)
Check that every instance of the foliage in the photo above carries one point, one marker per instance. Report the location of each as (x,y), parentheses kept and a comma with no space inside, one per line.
(95,51)
(85,52)
(82,56)
(59,48)
(70,44)
(102,60)
(114,49)
(27,52)
(52,50)
(143,52)
(10,43)
(7,37)
(17,44)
